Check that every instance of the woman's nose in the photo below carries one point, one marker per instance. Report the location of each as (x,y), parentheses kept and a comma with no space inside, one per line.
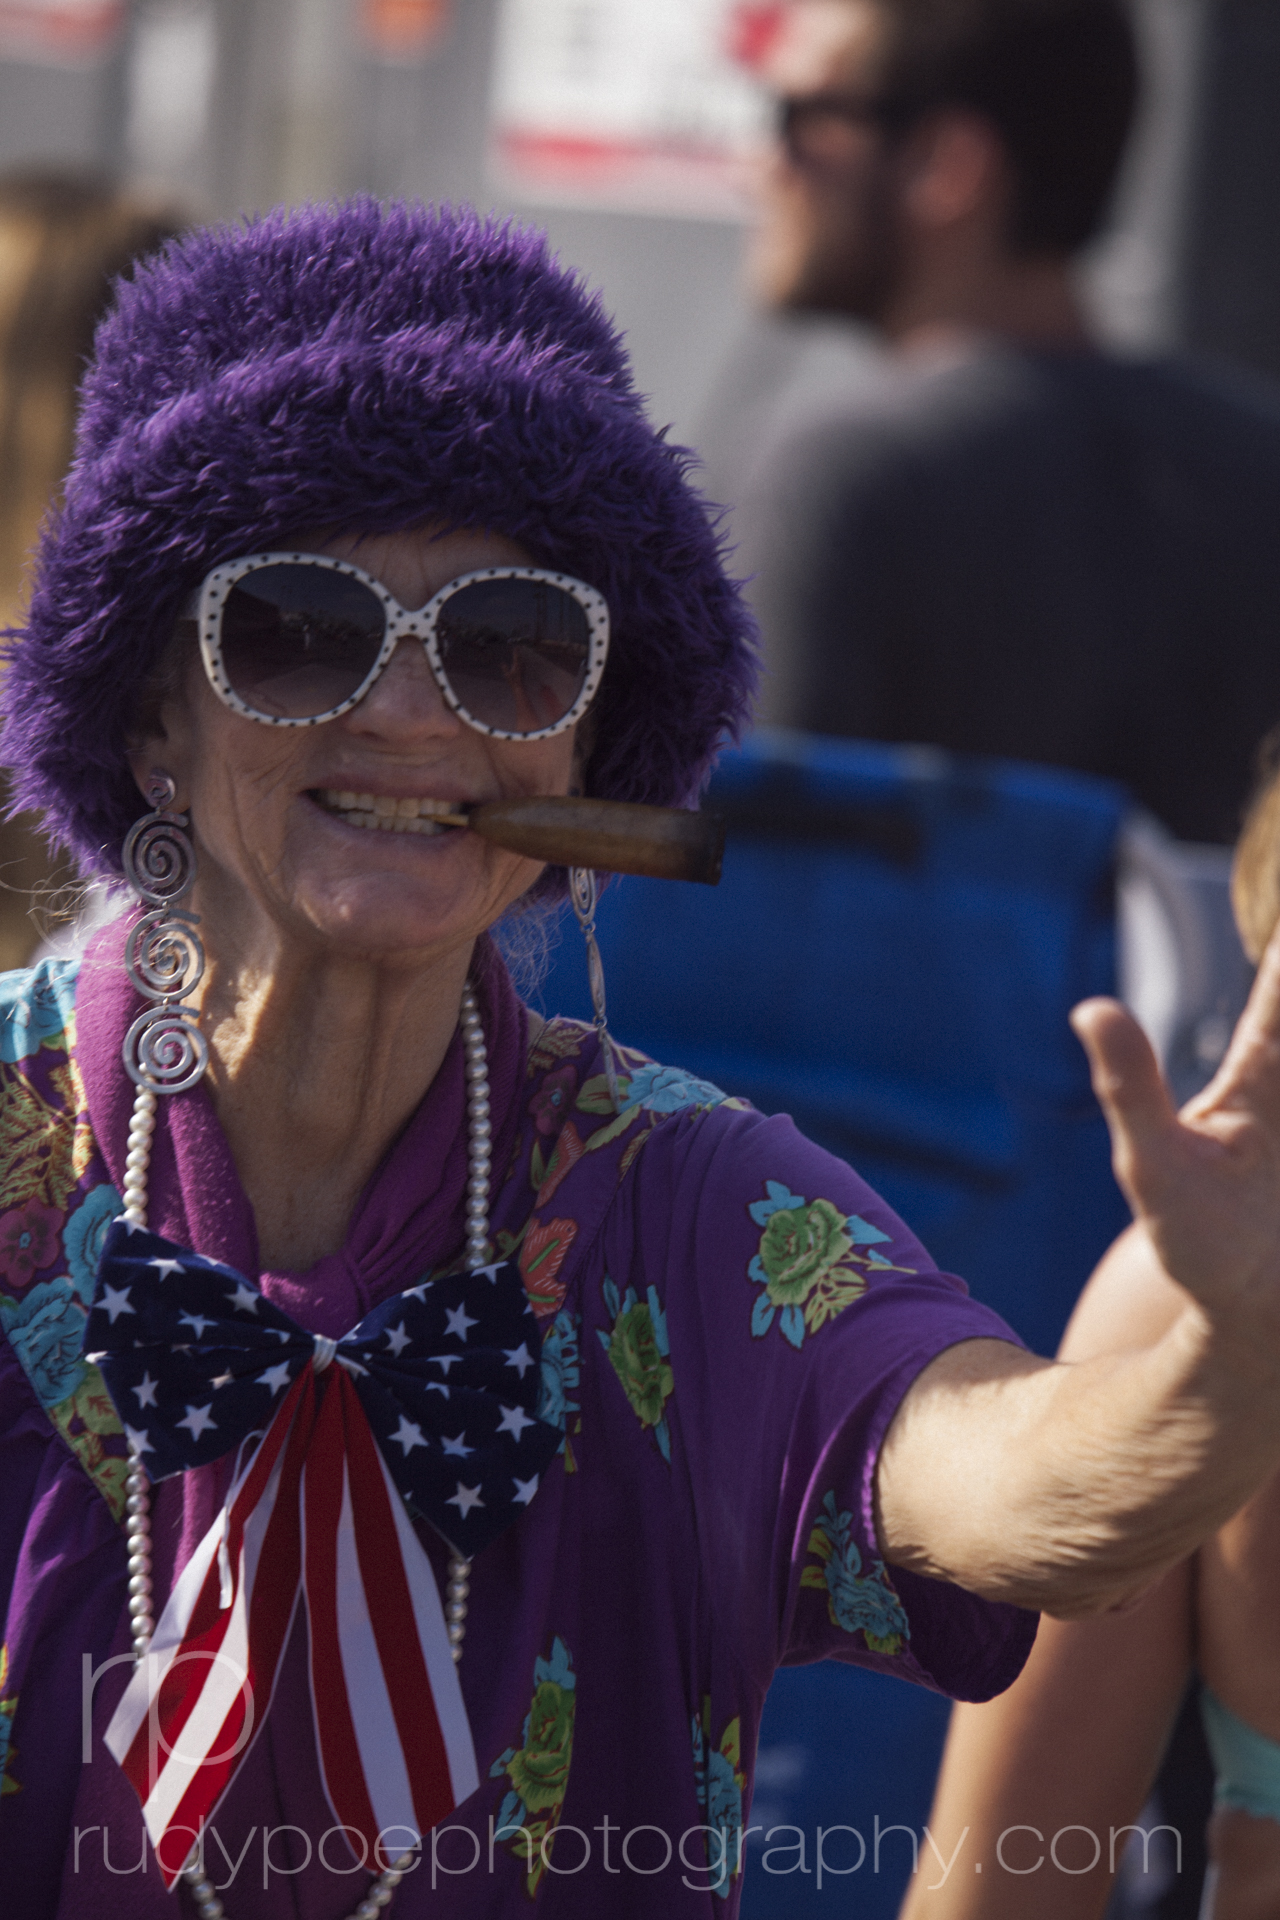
(405,699)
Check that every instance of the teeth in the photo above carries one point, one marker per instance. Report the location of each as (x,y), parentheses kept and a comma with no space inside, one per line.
(383,810)
(383,813)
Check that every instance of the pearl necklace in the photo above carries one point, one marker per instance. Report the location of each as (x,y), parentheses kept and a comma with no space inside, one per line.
(137,1487)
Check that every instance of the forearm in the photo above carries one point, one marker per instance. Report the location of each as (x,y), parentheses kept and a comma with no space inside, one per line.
(1069,1488)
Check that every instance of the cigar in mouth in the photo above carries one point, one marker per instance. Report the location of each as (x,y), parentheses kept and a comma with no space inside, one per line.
(613,836)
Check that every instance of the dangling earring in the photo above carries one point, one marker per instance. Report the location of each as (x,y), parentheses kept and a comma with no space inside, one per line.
(164,1050)
(582,892)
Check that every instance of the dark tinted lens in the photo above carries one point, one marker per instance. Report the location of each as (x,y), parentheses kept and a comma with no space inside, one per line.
(515,652)
(298,640)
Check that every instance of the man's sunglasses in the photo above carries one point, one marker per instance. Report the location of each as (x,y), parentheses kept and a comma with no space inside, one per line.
(814,128)
(295,639)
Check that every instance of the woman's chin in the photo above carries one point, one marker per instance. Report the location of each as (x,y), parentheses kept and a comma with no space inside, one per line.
(382,915)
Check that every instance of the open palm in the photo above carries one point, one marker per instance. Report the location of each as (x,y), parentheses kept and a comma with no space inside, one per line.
(1206,1181)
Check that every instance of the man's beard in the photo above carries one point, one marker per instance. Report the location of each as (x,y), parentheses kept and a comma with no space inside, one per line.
(855,269)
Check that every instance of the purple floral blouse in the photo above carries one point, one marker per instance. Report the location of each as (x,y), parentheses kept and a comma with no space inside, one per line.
(730,1318)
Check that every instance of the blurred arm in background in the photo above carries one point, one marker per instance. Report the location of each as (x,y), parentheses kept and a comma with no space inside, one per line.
(1078,1738)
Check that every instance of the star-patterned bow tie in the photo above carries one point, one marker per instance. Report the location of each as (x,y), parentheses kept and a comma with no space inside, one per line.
(429,1403)
(448,1374)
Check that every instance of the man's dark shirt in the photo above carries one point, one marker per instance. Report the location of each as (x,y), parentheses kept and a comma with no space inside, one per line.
(1055,557)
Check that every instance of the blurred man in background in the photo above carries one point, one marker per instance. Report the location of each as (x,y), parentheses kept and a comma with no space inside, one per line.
(1014,544)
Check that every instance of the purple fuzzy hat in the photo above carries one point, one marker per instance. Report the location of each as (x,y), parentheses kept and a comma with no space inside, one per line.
(366,368)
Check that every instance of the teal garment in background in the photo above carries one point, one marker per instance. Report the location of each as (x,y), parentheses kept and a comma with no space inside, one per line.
(1246,1762)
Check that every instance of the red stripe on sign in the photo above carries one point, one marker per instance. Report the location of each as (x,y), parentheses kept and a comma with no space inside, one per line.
(323,1487)
(391,1615)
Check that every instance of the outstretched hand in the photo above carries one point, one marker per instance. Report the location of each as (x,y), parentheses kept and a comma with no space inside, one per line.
(1205,1182)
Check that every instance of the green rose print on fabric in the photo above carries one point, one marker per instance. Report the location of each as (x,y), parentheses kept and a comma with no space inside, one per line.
(639,1353)
(539,1769)
(812,1262)
(856,1602)
(720,1783)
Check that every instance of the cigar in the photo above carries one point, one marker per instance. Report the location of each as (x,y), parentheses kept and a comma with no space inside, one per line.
(613,836)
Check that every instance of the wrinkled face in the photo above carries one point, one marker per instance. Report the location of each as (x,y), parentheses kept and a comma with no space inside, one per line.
(275,811)
(826,238)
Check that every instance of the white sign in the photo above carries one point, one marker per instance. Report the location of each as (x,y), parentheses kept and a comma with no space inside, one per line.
(642,105)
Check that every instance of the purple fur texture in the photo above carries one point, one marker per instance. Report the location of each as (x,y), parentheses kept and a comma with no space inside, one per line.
(363,368)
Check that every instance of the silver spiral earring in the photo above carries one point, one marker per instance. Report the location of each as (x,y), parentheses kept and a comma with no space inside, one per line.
(583,893)
(164,1050)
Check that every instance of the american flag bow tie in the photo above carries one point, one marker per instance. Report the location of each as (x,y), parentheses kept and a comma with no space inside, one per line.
(428,1405)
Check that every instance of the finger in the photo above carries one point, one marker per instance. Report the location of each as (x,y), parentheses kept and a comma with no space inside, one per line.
(1250,1072)
(1131,1092)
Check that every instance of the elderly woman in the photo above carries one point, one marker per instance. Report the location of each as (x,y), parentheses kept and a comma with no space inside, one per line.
(420,1419)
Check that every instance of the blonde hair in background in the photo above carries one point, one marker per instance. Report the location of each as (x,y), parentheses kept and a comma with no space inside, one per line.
(64,238)
(1255,876)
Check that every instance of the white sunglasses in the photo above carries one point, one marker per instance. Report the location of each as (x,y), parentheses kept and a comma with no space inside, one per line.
(295,639)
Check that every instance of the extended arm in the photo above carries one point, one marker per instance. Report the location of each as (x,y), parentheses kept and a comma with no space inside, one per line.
(1072,1486)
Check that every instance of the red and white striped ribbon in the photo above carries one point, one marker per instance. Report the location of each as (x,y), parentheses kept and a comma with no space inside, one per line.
(316,1514)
